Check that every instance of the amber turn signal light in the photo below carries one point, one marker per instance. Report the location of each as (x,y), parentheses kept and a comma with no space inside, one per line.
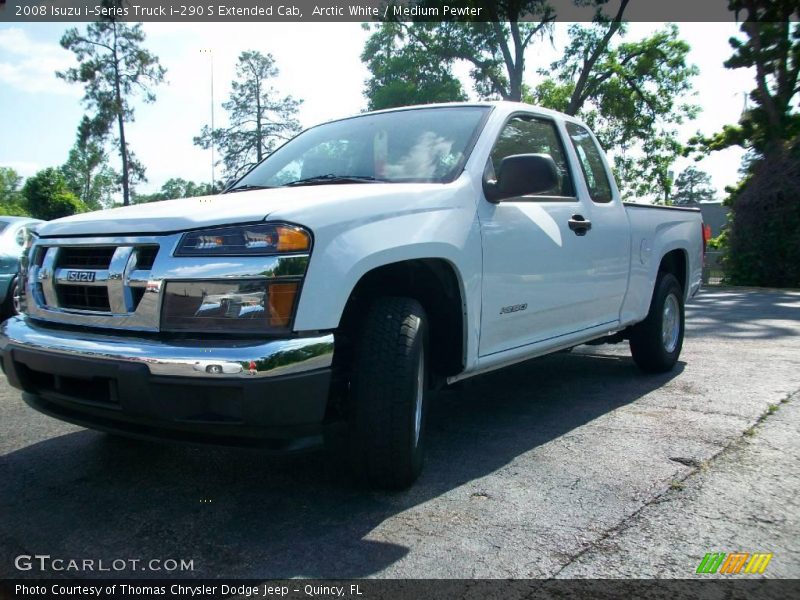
(281,303)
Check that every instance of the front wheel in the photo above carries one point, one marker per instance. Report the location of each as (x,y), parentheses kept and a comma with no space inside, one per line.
(388,394)
(656,342)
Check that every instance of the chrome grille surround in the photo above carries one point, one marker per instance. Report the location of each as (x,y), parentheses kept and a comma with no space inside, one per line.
(135,294)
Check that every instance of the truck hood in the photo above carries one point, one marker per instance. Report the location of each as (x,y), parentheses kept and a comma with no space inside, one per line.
(208,211)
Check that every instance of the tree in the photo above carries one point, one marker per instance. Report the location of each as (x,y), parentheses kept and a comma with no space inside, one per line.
(11,200)
(176,188)
(258,117)
(391,58)
(693,186)
(762,245)
(494,49)
(772,48)
(114,67)
(592,43)
(87,172)
(632,94)
(48,197)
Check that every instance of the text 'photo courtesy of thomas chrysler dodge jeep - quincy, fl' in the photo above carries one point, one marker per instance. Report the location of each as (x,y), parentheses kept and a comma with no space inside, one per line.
(344,279)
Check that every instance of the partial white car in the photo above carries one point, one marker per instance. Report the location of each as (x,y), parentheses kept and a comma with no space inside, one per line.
(218,368)
(14,235)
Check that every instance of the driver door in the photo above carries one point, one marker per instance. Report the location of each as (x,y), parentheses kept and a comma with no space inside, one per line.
(537,271)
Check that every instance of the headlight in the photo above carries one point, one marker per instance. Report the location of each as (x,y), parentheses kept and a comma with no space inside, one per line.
(245,240)
(253,305)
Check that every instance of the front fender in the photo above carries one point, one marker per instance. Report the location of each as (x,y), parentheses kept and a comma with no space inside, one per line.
(341,258)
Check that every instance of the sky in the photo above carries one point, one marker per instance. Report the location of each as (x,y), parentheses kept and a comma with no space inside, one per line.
(318,62)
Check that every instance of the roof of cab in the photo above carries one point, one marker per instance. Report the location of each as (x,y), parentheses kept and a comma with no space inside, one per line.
(506,106)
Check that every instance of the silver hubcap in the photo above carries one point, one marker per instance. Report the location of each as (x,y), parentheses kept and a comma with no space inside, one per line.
(671,323)
(418,398)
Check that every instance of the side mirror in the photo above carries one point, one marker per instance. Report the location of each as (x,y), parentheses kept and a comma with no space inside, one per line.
(522,174)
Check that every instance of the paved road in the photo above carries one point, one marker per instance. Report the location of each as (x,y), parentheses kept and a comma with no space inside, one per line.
(563,466)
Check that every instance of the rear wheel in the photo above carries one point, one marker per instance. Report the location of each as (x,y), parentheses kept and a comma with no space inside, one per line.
(656,342)
(388,394)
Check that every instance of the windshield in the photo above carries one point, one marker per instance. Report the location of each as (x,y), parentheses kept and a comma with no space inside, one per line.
(427,145)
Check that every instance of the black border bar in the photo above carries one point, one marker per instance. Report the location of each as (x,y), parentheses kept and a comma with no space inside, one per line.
(700,588)
(354,10)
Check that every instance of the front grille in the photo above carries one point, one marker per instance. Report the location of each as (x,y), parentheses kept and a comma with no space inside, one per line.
(38,256)
(85,257)
(145,257)
(137,294)
(99,281)
(86,278)
(83,297)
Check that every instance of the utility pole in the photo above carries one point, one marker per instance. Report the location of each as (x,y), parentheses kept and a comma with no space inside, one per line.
(210,53)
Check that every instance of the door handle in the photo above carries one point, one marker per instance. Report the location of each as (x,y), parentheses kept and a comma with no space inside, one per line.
(579,225)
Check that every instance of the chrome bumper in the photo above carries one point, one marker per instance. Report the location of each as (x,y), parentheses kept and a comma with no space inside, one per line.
(209,359)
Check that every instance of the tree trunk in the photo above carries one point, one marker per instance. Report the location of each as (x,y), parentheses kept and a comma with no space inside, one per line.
(123,147)
(516,66)
(578,94)
(515,84)
(259,151)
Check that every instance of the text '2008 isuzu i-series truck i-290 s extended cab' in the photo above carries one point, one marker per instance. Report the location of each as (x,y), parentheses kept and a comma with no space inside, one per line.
(361,265)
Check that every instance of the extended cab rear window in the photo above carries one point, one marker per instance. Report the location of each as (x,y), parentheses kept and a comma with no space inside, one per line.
(594,171)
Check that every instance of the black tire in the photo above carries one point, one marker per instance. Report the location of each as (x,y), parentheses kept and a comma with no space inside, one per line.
(388,394)
(7,308)
(653,350)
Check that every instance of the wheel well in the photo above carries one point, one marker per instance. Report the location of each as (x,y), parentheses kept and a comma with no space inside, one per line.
(674,262)
(435,285)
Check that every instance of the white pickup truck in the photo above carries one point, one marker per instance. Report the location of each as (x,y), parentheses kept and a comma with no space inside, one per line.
(343,279)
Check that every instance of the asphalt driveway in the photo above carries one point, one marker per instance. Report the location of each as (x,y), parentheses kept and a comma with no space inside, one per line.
(531,470)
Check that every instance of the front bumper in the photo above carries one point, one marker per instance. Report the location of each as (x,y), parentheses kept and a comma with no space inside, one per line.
(230,392)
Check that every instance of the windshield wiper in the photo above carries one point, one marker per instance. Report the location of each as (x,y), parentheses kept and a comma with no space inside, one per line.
(247,188)
(332,178)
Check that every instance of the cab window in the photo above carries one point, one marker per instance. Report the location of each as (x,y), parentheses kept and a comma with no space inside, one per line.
(525,134)
(591,160)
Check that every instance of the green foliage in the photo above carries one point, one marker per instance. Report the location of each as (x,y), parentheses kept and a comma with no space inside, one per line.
(48,197)
(114,67)
(11,200)
(9,185)
(718,243)
(87,172)
(391,58)
(176,188)
(495,51)
(762,244)
(771,47)
(692,186)
(632,94)
(259,118)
